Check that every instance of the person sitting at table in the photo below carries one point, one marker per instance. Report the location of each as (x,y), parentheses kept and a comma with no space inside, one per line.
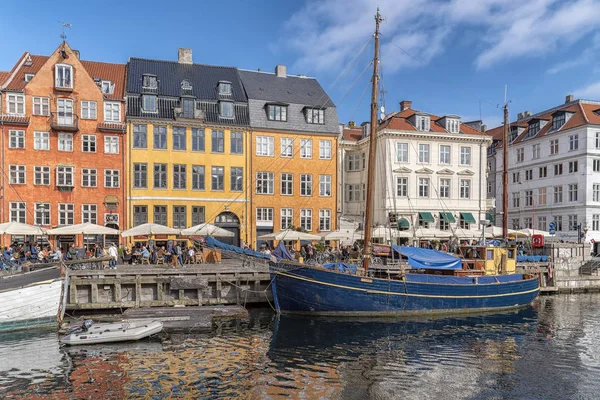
(191,255)
(57,256)
(145,255)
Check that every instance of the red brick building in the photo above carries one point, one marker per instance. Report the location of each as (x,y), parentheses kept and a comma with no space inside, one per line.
(62,140)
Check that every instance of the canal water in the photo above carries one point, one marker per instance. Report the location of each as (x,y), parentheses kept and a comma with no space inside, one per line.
(548,351)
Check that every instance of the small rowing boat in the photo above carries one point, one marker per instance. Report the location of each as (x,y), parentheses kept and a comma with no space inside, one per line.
(93,333)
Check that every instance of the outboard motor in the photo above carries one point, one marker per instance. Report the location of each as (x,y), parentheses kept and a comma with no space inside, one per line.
(86,325)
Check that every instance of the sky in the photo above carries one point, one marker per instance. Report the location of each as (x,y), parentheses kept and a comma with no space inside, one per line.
(447,57)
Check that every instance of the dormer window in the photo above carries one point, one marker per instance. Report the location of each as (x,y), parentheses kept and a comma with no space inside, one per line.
(423,123)
(534,128)
(226,109)
(558,121)
(452,125)
(63,76)
(277,112)
(28,77)
(149,82)
(186,85)
(514,132)
(107,87)
(225,88)
(315,116)
(149,103)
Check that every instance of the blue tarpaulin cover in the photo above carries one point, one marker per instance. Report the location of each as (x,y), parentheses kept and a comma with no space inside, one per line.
(281,252)
(429,259)
(212,242)
(341,267)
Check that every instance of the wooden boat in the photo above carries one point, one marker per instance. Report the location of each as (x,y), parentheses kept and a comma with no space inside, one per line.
(93,333)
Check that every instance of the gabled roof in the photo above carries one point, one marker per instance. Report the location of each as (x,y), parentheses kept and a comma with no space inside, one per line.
(290,89)
(3,76)
(18,81)
(400,121)
(108,72)
(203,78)
(352,134)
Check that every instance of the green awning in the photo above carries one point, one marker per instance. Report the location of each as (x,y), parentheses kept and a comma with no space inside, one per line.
(426,217)
(403,224)
(447,216)
(468,217)
(489,217)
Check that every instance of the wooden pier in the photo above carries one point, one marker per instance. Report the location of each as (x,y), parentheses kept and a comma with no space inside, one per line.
(135,286)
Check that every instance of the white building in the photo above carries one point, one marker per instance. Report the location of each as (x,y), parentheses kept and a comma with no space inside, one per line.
(554,170)
(430,172)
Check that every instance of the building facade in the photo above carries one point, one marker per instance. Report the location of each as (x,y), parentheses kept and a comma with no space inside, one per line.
(187,140)
(62,124)
(293,154)
(429,172)
(554,170)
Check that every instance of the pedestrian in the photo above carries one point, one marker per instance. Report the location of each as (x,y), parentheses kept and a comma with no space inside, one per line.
(179,254)
(114,255)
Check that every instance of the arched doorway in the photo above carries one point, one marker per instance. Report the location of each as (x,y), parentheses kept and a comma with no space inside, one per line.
(229,221)
(108,239)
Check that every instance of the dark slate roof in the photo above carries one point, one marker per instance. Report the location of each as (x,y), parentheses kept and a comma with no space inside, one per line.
(291,89)
(170,74)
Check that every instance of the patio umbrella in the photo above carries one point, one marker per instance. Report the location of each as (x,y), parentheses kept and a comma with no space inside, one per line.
(431,233)
(150,229)
(17,228)
(207,229)
(382,232)
(289,234)
(496,231)
(530,232)
(87,228)
(342,235)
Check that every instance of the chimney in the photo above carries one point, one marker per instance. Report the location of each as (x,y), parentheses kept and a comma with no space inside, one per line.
(519,116)
(405,105)
(366,129)
(184,56)
(526,114)
(280,71)
(569,98)
(76,52)
(350,124)
(483,128)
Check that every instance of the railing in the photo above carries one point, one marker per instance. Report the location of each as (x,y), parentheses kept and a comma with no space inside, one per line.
(149,90)
(111,127)
(64,122)
(197,114)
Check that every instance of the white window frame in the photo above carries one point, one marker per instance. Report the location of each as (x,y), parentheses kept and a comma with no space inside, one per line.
(112,178)
(535,151)
(66,83)
(574,142)
(265,183)
(107,87)
(16,139)
(324,220)
(306,219)
(287,147)
(66,214)
(265,146)
(90,141)
(62,172)
(520,155)
(554,146)
(401,186)
(402,152)
(542,196)
(315,116)
(111,145)
(87,175)
(424,187)
(17,102)
(325,185)
(445,154)
(306,148)
(42,214)
(43,172)
(465,188)
(89,109)
(18,212)
(445,188)
(264,216)
(89,213)
(43,104)
(145,103)
(465,155)
(325,149)
(306,185)
(18,174)
(65,142)
(286,218)
(287,183)
(424,153)
(41,140)
(112,111)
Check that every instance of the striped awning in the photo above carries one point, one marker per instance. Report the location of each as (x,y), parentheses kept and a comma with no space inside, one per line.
(426,216)
(447,216)
(467,217)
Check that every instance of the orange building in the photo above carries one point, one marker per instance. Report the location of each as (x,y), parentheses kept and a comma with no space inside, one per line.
(62,125)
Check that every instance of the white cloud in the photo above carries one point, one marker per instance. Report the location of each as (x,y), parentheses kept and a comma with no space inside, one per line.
(590,92)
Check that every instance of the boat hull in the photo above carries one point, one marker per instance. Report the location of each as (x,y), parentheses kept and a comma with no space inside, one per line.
(307,290)
(30,306)
(113,332)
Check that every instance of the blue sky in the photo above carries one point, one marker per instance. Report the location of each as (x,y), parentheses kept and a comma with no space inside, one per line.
(448,57)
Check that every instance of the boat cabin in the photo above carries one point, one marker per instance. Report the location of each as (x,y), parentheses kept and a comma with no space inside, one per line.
(488,260)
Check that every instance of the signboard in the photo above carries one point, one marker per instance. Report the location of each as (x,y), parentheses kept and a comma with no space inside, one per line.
(552,228)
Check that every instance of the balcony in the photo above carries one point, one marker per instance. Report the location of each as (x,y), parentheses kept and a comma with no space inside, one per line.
(111,127)
(21,120)
(198,115)
(149,90)
(64,122)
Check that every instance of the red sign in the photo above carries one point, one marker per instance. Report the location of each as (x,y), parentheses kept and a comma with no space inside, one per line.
(537,241)
(142,237)
(160,236)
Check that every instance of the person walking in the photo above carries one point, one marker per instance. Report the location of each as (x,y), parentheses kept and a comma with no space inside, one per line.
(178,254)
(114,255)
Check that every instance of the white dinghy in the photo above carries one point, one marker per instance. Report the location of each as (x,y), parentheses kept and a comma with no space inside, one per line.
(99,332)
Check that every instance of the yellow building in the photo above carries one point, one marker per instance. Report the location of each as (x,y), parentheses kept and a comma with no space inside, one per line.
(187,140)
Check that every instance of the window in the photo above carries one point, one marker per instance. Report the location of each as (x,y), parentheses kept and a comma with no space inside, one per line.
(596,222)
(218,178)
(445,188)
(89,213)
(424,153)
(527,222)
(445,154)
(66,213)
(160,215)
(402,186)
(64,176)
(287,147)
(15,104)
(423,123)
(596,192)
(452,125)
(112,178)
(598,140)
(402,152)
(160,176)
(41,140)
(112,111)
(573,142)
(197,139)
(573,166)
(542,224)
(596,165)
(465,155)
(89,177)
(528,174)
(17,139)
(198,215)
(305,185)
(528,198)
(140,140)
(520,155)
(41,106)
(554,146)
(306,219)
(63,76)
(179,138)
(287,184)
(179,217)
(465,189)
(160,137)
(265,146)
(573,192)
(558,222)
(516,197)
(325,185)
(422,222)
(324,220)
(140,215)
(573,222)
(111,144)
(237,176)
(218,142)
(489,187)
(226,109)
(534,128)
(140,175)
(558,121)
(149,82)
(325,149)
(149,103)
(423,187)
(305,148)
(542,194)
(41,175)
(179,181)
(88,143)
(65,142)
(264,216)
(315,116)
(29,77)
(225,88)
(558,194)
(354,162)
(189,107)
(535,149)
(277,112)
(17,174)
(264,183)
(558,169)
(17,212)
(107,87)
(236,143)
(516,177)
(198,177)
(286,218)
(355,192)
(543,172)
(42,213)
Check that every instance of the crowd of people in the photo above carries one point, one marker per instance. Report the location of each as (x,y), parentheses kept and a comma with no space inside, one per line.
(172,254)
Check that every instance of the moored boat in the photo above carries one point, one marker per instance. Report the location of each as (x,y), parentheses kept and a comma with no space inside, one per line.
(97,332)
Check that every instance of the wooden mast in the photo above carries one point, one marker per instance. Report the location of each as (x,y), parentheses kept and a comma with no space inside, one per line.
(367,249)
(505,177)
